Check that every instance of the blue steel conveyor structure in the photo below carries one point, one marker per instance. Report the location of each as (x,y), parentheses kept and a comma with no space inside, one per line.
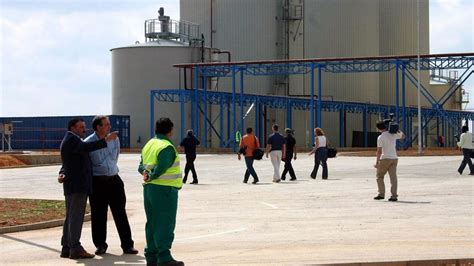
(199,96)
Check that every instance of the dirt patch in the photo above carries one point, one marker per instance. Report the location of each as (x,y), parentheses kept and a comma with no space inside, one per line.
(26,211)
(8,160)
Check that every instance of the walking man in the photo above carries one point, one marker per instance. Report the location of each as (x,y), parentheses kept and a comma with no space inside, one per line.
(76,177)
(276,147)
(387,160)
(248,144)
(290,150)
(108,190)
(189,143)
(162,179)
(465,143)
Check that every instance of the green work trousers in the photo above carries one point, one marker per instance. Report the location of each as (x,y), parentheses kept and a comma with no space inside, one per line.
(161,204)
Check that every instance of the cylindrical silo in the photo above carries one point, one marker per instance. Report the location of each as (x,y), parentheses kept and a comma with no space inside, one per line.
(139,68)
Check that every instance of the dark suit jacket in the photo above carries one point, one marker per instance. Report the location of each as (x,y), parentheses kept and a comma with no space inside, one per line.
(77,166)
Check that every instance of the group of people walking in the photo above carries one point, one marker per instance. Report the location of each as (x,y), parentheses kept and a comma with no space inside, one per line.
(282,148)
(90,169)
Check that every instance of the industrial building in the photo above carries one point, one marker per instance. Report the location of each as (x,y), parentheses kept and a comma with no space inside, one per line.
(220,31)
(227,65)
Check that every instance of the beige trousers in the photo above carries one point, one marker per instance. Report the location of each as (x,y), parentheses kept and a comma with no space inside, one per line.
(390,166)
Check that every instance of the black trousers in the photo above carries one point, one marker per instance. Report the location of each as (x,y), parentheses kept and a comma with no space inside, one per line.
(72,228)
(466,160)
(288,167)
(320,157)
(109,191)
(190,158)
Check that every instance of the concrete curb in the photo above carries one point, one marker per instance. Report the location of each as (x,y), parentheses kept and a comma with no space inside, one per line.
(37,226)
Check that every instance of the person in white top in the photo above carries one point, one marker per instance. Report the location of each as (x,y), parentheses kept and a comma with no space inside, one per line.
(320,151)
(465,143)
(387,160)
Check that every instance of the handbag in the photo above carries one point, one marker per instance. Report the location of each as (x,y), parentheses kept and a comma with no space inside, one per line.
(332,152)
(257,152)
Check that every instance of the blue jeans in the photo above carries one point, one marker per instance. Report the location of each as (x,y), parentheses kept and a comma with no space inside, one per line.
(320,157)
(250,170)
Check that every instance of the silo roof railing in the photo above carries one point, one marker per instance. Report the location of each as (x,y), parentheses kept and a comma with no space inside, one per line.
(173,29)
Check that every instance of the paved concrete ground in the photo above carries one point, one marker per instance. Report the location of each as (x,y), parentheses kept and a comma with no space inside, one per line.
(222,221)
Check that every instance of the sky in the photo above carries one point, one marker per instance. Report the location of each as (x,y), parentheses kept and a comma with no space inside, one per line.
(55,58)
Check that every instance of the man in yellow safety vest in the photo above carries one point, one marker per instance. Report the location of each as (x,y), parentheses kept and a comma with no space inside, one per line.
(162,179)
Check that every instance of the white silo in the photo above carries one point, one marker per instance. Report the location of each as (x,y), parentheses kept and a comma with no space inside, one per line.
(139,68)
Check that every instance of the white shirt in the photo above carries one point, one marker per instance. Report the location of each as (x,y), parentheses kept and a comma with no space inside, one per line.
(388,143)
(322,141)
(465,141)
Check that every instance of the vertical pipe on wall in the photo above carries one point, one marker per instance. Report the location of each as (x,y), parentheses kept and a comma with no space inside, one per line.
(221,120)
(204,87)
(195,120)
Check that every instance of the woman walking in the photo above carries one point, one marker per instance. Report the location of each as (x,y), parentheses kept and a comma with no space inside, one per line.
(320,151)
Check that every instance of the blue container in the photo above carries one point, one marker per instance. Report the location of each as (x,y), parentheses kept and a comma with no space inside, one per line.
(38,133)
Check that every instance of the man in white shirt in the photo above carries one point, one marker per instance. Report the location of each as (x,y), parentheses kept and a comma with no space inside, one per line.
(465,143)
(387,160)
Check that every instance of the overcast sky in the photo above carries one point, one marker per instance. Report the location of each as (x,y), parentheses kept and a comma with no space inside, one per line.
(55,57)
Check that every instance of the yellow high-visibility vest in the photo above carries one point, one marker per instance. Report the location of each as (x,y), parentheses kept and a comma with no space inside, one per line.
(172,176)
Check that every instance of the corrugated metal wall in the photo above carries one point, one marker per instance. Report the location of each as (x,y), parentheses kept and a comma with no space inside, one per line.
(35,133)
(330,28)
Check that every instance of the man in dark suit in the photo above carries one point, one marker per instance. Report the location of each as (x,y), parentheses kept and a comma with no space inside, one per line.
(189,143)
(76,177)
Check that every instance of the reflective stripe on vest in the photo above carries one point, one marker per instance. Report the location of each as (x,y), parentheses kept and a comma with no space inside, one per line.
(172,176)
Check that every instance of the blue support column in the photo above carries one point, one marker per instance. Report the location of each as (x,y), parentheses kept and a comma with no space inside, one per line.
(257,118)
(427,128)
(397,93)
(320,94)
(242,101)
(229,140)
(234,115)
(195,121)
(404,114)
(437,130)
(152,114)
(341,127)
(408,132)
(366,135)
(221,120)
(182,110)
(289,114)
(204,87)
(312,103)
